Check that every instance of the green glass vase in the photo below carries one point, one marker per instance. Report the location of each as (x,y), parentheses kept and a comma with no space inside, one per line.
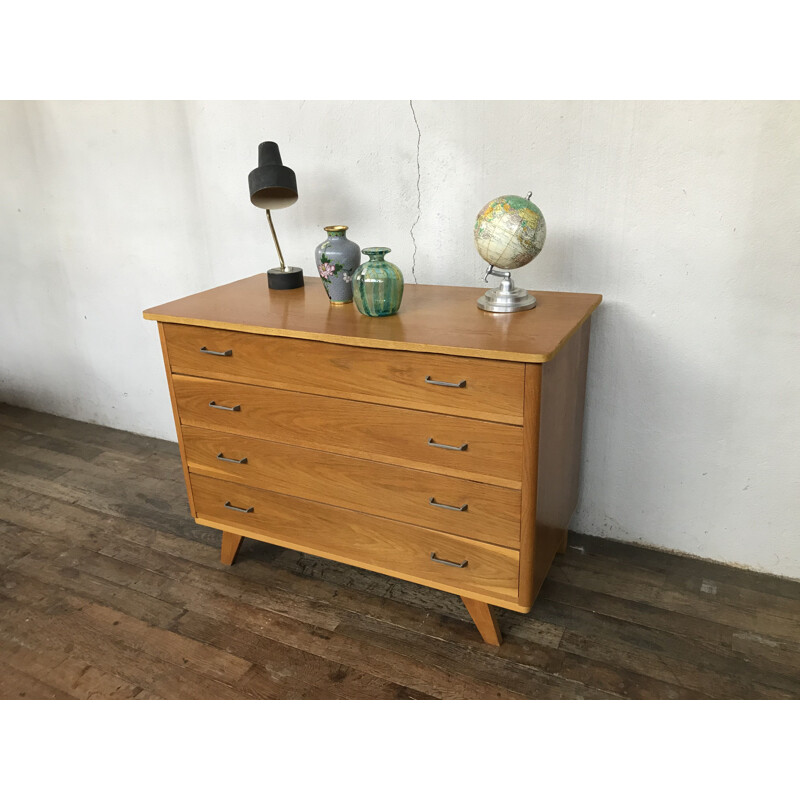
(377,284)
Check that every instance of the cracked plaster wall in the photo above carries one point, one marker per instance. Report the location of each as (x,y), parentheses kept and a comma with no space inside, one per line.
(684,215)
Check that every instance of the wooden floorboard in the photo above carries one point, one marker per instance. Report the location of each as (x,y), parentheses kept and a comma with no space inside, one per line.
(109,590)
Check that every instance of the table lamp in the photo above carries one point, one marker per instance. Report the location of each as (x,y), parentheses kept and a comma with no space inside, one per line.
(272,185)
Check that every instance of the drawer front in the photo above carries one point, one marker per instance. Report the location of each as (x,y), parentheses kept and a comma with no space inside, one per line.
(477,388)
(394,548)
(465,508)
(488,452)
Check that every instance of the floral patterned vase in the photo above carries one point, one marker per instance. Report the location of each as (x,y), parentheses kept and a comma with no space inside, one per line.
(377,284)
(337,259)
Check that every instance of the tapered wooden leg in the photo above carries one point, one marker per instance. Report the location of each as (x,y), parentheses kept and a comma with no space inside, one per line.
(483,616)
(230,547)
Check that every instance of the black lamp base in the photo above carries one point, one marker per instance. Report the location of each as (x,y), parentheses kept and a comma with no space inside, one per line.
(290,278)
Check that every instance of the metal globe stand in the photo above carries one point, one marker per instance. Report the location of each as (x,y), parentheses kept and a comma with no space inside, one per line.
(506,297)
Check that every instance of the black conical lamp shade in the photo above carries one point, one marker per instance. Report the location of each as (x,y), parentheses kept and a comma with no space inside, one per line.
(274,186)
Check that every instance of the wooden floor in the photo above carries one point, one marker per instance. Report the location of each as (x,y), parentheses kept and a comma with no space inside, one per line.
(109,590)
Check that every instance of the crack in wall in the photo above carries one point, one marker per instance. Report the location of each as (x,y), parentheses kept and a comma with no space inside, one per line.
(419,197)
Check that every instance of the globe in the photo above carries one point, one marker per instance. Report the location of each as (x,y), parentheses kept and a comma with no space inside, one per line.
(509,232)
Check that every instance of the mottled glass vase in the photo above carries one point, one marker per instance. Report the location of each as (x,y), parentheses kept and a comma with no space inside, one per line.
(377,284)
(337,259)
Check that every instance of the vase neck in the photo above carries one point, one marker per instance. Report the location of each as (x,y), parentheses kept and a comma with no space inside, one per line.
(376,253)
(336,231)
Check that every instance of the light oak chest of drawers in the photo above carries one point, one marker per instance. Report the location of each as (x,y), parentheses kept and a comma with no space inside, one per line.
(441,445)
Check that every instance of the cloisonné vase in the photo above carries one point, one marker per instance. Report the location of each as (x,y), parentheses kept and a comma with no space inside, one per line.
(377,284)
(337,259)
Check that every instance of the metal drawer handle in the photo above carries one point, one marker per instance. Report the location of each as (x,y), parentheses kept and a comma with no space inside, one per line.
(447,446)
(231,460)
(448,563)
(225,408)
(433,502)
(459,385)
(216,352)
(243,510)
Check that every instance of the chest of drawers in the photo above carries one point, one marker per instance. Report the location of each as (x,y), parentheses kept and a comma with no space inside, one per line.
(440,446)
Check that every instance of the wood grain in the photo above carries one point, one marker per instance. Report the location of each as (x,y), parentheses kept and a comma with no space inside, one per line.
(492,513)
(612,619)
(492,390)
(485,621)
(379,433)
(561,434)
(554,403)
(230,547)
(393,548)
(432,319)
(290,370)
(528,493)
(165,353)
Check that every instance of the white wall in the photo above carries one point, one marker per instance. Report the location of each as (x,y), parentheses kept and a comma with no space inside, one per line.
(684,215)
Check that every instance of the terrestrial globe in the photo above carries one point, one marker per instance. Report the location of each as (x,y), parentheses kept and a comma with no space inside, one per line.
(509,233)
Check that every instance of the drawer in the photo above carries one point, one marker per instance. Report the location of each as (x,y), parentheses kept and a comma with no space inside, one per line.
(482,389)
(394,548)
(462,507)
(487,452)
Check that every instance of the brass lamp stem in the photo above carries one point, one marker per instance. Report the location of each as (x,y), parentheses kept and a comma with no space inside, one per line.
(277,246)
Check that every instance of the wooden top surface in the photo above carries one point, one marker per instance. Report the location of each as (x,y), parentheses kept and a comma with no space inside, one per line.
(432,319)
